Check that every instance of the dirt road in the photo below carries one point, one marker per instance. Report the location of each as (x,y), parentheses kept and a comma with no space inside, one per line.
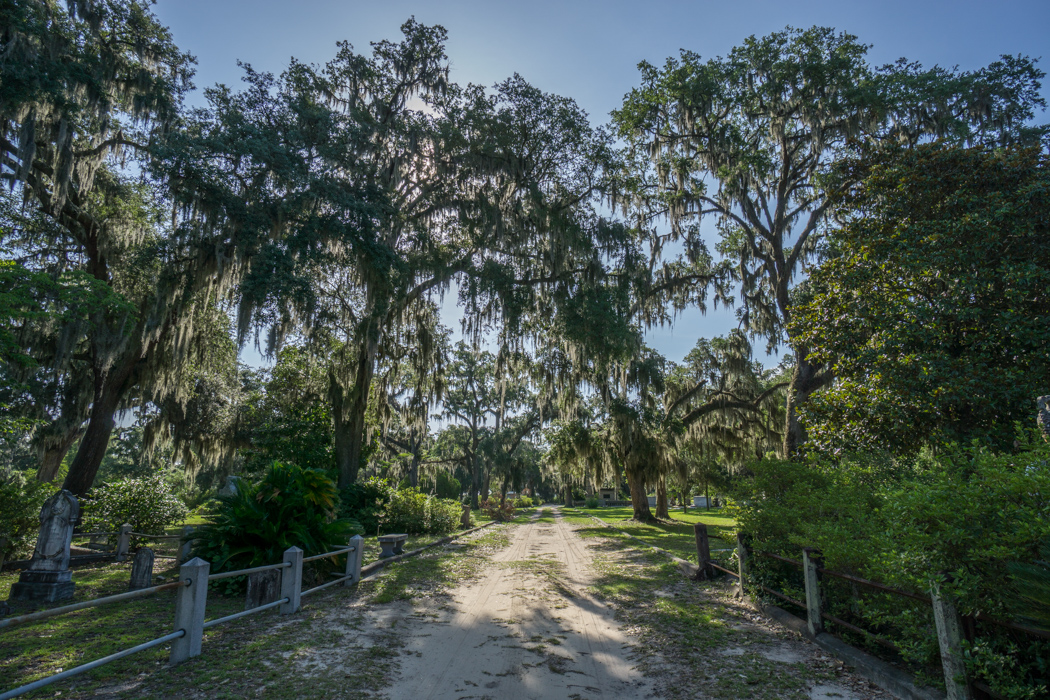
(527,629)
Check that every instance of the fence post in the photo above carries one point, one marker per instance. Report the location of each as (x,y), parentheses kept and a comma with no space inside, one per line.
(186,546)
(741,562)
(811,560)
(703,551)
(353,560)
(949,638)
(292,580)
(123,542)
(190,602)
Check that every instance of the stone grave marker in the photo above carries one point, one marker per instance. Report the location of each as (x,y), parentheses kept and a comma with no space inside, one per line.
(263,587)
(48,577)
(142,570)
(464,519)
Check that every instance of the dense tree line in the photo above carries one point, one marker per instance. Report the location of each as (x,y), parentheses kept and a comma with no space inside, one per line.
(323,213)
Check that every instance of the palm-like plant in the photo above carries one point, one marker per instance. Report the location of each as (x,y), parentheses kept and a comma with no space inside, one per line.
(291,506)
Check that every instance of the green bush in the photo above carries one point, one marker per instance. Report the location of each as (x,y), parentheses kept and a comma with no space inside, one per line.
(448,487)
(21,498)
(291,506)
(968,512)
(147,503)
(412,512)
(523,502)
(592,502)
(492,508)
(366,503)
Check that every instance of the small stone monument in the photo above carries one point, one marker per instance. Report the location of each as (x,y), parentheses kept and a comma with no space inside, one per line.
(464,519)
(142,570)
(263,588)
(48,577)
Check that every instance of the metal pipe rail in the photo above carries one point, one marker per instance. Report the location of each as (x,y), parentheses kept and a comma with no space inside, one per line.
(780,595)
(156,537)
(329,554)
(21,690)
(245,613)
(242,572)
(875,584)
(44,614)
(323,586)
(716,566)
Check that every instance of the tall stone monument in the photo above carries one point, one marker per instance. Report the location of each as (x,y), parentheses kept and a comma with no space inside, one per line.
(48,577)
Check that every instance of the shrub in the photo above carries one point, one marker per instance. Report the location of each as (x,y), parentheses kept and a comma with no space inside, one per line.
(366,502)
(447,487)
(291,506)
(147,503)
(416,513)
(491,508)
(21,498)
(523,502)
(966,511)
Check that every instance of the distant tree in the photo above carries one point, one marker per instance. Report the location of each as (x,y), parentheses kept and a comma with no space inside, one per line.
(747,139)
(934,311)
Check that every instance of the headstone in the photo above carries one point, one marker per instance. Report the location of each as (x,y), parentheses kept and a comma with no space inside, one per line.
(464,519)
(652,500)
(142,570)
(263,588)
(700,501)
(48,577)
(231,487)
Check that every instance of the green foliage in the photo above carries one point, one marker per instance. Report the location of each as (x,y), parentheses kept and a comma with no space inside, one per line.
(366,502)
(934,313)
(492,508)
(591,502)
(523,502)
(447,487)
(413,512)
(21,498)
(1032,589)
(967,512)
(147,503)
(290,506)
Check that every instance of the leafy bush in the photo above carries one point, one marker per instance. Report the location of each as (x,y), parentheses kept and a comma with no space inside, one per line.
(491,508)
(592,502)
(291,506)
(147,503)
(448,487)
(968,512)
(366,503)
(523,502)
(21,498)
(413,512)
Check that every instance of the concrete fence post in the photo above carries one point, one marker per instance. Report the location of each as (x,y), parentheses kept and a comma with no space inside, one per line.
(949,638)
(123,542)
(292,580)
(190,602)
(811,561)
(703,551)
(741,563)
(354,559)
(186,546)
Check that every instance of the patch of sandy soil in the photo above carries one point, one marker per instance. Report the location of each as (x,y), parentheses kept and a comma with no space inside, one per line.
(528,629)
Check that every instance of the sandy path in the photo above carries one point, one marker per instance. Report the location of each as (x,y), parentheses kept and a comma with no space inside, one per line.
(528,629)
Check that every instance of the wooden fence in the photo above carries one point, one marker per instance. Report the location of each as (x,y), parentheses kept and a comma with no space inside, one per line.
(950,625)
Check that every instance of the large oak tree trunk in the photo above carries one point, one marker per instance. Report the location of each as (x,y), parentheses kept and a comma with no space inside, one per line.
(475,484)
(52,455)
(639,501)
(568,496)
(111,384)
(661,499)
(804,381)
(350,432)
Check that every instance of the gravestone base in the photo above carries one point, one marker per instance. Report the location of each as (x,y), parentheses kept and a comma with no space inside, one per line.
(47,586)
(264,587)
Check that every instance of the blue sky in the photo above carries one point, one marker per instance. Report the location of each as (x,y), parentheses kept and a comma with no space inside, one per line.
(589,50)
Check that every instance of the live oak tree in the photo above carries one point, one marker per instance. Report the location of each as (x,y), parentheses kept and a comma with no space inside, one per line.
(746,139)
(934,310)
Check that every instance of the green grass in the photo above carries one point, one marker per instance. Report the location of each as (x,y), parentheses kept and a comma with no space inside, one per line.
(676,538)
